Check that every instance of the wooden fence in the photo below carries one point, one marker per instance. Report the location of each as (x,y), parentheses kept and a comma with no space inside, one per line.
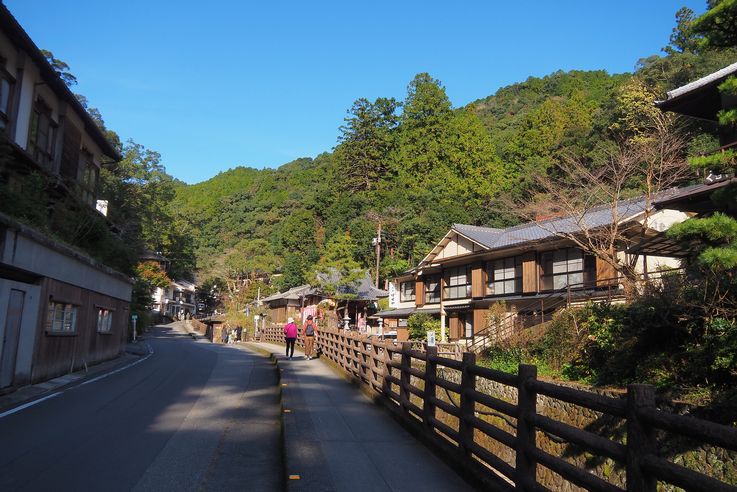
(413,385)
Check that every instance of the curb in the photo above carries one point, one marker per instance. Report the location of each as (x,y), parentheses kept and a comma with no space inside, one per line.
(282,424)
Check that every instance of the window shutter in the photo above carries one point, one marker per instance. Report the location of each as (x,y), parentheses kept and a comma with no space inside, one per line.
(419,292)
(605,273)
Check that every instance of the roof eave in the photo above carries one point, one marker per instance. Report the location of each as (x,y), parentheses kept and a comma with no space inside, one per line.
(19,37)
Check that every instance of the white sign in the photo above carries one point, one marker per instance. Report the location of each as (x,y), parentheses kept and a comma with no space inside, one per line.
(101,206)
(393,295)
(431,338)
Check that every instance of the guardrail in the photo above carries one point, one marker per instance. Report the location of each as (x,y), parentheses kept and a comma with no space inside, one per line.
(451,414)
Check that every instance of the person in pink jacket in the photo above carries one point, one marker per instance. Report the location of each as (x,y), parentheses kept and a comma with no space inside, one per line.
(290,333)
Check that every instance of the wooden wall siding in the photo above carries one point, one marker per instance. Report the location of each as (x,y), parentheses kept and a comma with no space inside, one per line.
(402,334)
(457,246)
(57,355)
(453,325)
(419,292)
(478,281)
(279,314)
(530,272)
(605,272)
(479,319)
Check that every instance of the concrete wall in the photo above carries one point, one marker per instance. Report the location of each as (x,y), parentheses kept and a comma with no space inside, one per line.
(32,253)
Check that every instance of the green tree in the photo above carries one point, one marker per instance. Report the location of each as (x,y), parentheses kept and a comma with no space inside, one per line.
(61,68)
(718,25)
(424,126)
(338,271)
(366,142)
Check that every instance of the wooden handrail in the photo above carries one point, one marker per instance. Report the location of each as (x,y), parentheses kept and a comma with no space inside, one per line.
(403,377)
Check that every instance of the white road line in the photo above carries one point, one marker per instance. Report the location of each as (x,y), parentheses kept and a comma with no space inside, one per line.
(29,404)
(150,353)
(47,397)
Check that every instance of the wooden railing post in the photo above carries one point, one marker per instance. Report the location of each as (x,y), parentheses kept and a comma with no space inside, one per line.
(640,438)
(428,406)
(525,464)
(405,376)
(468,404)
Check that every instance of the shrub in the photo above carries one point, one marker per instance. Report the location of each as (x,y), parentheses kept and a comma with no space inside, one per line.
(419,324)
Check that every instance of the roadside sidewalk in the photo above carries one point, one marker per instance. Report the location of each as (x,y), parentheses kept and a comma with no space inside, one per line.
(25,394)
(337,439)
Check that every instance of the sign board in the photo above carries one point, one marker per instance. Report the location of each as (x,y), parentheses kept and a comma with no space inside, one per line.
(431,338)
(393,295)
(134,317)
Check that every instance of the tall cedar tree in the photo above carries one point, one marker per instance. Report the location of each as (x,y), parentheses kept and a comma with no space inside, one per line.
(367,140)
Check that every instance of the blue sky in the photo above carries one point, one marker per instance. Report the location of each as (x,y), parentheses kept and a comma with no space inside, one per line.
(218,84)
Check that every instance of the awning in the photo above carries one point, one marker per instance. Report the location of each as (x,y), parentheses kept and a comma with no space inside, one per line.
(456,308)
(403,313)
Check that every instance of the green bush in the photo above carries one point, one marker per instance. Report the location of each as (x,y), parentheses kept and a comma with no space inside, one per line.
(419,324)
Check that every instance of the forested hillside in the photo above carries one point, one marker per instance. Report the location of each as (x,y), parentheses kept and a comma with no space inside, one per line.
(418,165)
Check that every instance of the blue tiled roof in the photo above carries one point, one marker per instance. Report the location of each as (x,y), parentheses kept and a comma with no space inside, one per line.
(537,231)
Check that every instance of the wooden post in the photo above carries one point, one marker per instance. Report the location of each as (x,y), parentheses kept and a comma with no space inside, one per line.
(428,407)
(525,464)
(386,357)
(468,404)
(405,376)
(640,438)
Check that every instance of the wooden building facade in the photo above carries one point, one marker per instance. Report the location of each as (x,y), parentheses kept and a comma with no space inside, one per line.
(60,310)
(530,270)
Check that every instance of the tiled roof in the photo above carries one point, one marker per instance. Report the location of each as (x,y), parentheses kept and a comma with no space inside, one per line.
(364,289)
(703,81)
(537,231)
(293,293)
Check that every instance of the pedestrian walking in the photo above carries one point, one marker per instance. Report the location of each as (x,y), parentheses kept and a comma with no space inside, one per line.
(290,334)
(309,333)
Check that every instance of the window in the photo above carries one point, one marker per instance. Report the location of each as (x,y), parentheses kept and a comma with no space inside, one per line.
(87,177)
(566,267)
(42,135)
(458,283)
(104,320)
(6,86)
(407,291)
(432,289)
(61,318)
(505,276)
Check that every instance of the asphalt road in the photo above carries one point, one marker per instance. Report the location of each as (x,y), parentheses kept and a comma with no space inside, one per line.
(192,416)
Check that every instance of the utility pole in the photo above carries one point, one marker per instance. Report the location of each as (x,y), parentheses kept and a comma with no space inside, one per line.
(378,253)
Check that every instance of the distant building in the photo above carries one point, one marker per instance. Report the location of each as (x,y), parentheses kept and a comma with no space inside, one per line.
(177,300)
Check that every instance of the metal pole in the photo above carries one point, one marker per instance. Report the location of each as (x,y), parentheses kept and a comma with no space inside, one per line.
(134,329)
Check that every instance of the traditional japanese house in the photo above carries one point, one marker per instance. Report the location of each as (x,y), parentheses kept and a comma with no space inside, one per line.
(528,271)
